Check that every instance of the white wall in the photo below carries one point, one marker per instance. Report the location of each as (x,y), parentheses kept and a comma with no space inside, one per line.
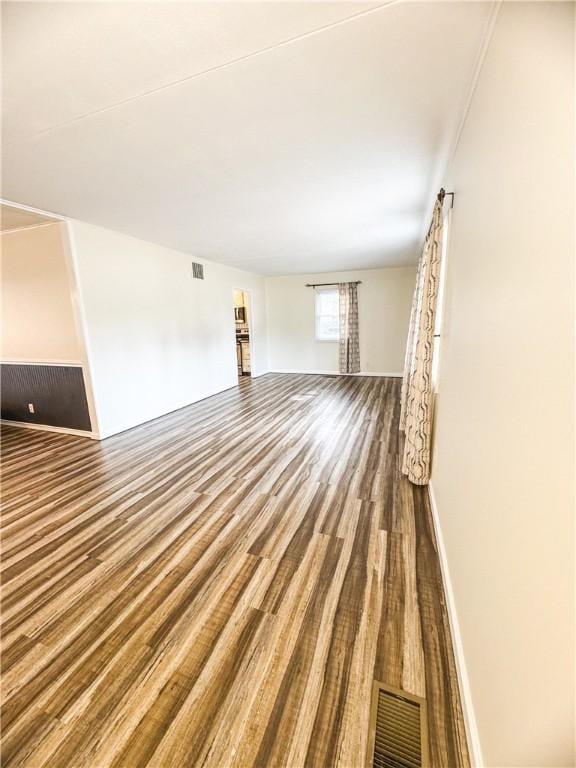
(503,456)
(37,314)
(157,338)
(384,300)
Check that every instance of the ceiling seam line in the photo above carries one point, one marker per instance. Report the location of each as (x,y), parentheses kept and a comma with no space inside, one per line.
(207,71)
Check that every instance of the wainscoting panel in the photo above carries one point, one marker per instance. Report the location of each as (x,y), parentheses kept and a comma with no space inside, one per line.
(56,392)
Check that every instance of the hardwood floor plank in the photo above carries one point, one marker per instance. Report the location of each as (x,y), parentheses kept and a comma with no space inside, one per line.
(329,721)
(284,715)
(221,586)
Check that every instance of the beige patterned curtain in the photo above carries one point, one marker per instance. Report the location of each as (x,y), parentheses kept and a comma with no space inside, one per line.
(417,392)
(349,351)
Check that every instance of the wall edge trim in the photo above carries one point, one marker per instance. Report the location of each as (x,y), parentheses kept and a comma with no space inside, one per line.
(260,373)
(335,373)
(470,722)
(49,428)
(62,363)
(55,217)
(485,41)
(103,434)
(68,241)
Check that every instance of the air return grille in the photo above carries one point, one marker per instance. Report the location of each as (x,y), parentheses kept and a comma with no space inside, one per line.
(197,270)
(398,730)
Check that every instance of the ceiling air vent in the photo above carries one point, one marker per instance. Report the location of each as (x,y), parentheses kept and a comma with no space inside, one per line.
(198,270)
(398,735)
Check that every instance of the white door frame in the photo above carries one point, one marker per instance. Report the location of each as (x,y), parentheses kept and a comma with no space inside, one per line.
(250,294)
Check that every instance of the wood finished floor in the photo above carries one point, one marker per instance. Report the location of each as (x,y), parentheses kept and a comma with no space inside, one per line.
(221,586)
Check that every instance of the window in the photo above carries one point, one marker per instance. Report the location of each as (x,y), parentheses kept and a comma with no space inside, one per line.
(327,314)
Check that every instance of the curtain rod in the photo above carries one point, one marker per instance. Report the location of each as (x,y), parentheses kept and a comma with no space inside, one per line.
(317,285)
(442,194)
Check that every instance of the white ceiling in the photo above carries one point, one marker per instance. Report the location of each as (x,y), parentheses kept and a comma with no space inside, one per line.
(276,137)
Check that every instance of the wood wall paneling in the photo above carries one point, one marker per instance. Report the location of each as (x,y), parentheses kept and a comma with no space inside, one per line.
(57,393)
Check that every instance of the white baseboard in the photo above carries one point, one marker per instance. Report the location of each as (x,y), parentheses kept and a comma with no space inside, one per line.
(48,428)
(26,361)
(334,373)
(463,682)
(119,430)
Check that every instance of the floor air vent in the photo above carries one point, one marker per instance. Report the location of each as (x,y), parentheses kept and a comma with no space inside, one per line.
(398,730)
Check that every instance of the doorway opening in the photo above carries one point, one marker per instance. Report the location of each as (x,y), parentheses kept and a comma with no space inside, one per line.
(243,322)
